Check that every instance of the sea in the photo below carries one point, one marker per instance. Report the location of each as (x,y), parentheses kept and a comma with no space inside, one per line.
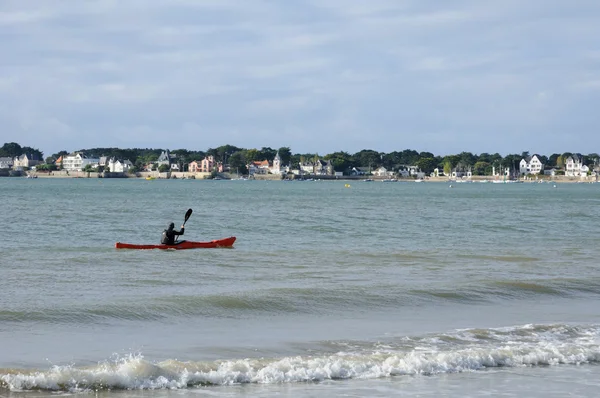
(332,289)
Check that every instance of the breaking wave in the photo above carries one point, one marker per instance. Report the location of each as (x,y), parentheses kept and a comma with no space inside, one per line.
(468,350)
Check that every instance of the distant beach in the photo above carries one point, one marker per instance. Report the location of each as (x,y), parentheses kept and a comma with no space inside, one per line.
(274,177)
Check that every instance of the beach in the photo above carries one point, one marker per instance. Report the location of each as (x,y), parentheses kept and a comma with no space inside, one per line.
(275,177)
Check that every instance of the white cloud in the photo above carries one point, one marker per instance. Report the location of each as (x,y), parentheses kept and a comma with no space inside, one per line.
(338,75)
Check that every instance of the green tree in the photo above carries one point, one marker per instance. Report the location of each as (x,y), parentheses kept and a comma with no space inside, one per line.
(33,151)
(427,165)
(237,162)
(452,159)
(252,155)
(267,153)
(182,158)
(484,157)
(341,161)
(368,158)
(46,167)
(391,160)
(408,157)
(285,153)
(11,150)
(447,167)
(511,161)
(481,168)
(139,164)
(467,159)
(59,154)
(495,158)
(163,168)
(151,157)
(224,152)
(592,160)
(552,159)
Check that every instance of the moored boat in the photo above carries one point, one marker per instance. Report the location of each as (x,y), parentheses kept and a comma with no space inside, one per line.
(186,244)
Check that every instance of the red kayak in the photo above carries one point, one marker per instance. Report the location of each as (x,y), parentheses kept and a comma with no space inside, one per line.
(225,242)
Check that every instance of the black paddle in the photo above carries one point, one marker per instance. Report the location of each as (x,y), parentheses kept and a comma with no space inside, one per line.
(187,216)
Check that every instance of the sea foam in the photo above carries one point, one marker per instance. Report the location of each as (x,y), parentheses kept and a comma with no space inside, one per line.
(468,350)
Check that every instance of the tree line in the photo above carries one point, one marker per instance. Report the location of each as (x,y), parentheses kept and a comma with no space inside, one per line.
(237,158)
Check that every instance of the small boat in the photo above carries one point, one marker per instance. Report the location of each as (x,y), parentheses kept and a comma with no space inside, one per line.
(150,178)
(186,244)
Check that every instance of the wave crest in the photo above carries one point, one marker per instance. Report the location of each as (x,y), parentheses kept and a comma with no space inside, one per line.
(460,351)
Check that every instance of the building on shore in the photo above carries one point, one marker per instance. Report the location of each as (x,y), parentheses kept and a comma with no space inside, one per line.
(78,161)
(530,165)
(26,161)
(6,162)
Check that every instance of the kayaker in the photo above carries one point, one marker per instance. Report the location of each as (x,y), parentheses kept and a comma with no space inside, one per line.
(168,235)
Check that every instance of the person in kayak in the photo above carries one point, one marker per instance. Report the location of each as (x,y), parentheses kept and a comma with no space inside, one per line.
(168,235)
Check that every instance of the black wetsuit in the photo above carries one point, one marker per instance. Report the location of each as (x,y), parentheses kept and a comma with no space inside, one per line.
(168,236)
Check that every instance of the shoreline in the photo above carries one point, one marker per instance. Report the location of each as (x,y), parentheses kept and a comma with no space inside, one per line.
(272,177)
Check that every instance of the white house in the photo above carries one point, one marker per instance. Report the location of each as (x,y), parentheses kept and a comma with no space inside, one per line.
(415,171)
(530,165)
(6,163)
(574,167)
(25,161)
(307,168)
(119,166)
(318,167)
(103,161)
(324,168)
(410,171)
(258,167)
(583,170)
(383,172)
(78,161)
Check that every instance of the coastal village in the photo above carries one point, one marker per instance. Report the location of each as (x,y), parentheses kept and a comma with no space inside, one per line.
(535,168)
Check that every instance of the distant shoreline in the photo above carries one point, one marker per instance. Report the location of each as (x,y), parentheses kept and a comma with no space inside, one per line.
(273,177)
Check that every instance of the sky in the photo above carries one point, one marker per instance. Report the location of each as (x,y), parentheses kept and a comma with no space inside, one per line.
(318,76)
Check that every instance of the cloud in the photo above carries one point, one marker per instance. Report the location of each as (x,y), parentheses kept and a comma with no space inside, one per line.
(334,75)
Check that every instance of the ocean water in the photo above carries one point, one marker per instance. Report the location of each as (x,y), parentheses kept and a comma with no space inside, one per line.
(375,289)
